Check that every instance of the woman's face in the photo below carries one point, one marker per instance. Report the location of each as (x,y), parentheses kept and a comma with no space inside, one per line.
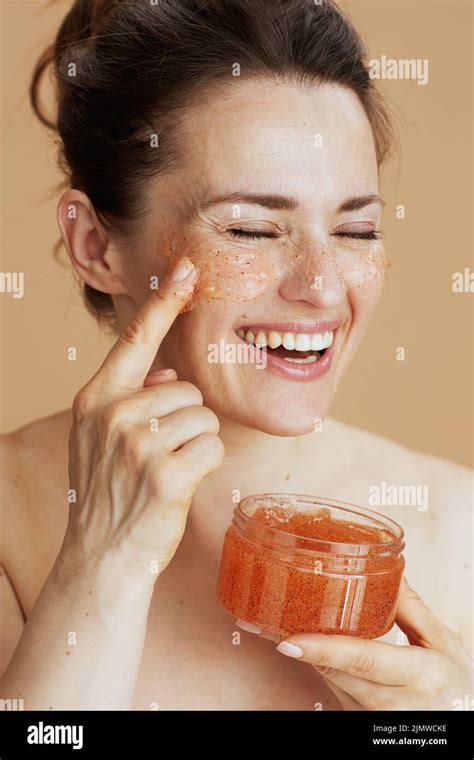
(276,204)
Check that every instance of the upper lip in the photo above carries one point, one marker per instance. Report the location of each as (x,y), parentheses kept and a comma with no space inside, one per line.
(320,326)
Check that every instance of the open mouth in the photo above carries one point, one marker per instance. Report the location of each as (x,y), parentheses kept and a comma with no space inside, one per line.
(293,347)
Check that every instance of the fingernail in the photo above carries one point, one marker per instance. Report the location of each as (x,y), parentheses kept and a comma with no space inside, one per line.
(182,270)
(291,650)
(159,372)
(270,636)
(248,626)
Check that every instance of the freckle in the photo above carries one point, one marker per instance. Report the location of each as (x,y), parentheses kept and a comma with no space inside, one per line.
(287,477)
(90,592)
(68,652)
(50,708)
(87,614)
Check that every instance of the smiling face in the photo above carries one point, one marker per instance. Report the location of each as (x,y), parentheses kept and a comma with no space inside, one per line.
(276,203)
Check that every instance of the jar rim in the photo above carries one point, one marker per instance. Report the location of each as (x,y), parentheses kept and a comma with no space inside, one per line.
(381,521)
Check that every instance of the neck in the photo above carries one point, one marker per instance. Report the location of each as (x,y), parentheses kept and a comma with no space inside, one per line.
(255,462)
(248,446)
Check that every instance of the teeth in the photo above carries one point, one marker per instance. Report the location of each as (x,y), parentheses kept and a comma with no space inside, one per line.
(302,342)
(290,341)
(309,359)
(274,339)
(320,341)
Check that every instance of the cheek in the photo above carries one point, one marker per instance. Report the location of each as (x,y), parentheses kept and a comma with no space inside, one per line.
(229,274)
(237,276)
(364,281)
(363,270)
(226,273)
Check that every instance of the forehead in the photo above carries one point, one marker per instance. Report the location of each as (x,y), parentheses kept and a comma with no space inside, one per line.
(314,143)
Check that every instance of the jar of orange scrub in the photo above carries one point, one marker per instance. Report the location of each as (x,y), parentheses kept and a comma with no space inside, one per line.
(302,564)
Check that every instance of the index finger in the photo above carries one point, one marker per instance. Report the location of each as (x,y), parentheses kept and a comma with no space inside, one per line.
(371,660)
(131,357)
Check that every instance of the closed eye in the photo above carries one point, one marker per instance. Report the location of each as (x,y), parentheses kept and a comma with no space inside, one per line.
(259,234)
(369,235)
(252,234)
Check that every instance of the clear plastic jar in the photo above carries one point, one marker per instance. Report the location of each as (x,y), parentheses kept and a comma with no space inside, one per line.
(302,564)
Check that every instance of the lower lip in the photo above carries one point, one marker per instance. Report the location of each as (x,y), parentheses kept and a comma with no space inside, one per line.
(299,372)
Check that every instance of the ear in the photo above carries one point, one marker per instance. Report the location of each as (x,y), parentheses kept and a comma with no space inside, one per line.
(89,248)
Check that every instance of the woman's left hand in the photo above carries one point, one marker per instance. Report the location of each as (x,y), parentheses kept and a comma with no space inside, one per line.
(371,675)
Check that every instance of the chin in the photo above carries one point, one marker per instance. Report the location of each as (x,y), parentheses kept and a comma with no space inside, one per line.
(285,427)
(284,419)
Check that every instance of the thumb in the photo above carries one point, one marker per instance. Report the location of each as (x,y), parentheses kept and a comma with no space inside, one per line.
(157,376)
(420,625)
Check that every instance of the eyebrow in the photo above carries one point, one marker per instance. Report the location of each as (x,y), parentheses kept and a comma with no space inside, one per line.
(286,203)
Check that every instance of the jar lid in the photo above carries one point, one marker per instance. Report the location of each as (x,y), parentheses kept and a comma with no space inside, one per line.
(282,507)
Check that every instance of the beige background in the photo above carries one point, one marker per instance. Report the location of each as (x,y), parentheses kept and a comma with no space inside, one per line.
(424,402)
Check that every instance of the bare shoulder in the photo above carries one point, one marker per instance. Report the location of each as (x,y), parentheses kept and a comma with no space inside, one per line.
(432,499)
(31,455)
(33,477)
(380,460)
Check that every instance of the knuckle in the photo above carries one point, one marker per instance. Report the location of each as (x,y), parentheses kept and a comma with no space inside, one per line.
(81,404)
(113,416)
(214,447)
(134,445)
(365,663)
(210,419)
(194,394)
(325,671)
(133,333)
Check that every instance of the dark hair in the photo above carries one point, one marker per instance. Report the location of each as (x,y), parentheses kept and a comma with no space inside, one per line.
(138,64)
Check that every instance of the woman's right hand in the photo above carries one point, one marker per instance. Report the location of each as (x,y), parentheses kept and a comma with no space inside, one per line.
(139,446)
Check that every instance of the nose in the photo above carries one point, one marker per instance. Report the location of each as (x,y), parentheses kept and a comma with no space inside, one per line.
(314,276)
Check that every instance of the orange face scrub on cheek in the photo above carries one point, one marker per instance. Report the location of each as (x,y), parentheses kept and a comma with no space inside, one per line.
(363,267)
(354,267)
(226,272)
(297,564)
(238,276)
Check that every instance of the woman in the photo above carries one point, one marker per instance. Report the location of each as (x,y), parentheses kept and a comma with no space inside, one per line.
(222,161)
